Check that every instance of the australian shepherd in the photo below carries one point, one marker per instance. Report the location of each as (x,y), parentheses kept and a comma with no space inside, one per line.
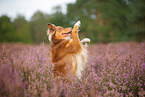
(68,53)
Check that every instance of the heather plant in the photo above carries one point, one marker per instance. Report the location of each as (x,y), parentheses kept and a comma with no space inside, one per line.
(113,70)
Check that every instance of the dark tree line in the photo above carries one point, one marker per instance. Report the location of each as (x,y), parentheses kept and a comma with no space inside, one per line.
(102,21)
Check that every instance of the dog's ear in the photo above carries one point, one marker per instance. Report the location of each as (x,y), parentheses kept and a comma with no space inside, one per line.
(51,30)
(51,26)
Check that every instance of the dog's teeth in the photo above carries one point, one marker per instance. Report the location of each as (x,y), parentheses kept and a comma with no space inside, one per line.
(78,23)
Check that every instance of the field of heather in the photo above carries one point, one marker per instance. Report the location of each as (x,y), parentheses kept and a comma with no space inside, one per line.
(113,70)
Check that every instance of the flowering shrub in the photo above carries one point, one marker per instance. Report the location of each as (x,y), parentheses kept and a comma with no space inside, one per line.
(115,69)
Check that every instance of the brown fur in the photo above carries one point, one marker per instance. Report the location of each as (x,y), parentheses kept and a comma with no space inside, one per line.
(65,52)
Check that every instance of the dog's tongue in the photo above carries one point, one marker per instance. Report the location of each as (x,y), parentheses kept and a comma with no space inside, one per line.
(67,34)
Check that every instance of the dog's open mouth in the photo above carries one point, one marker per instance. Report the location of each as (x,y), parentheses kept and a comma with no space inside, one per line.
(67,34)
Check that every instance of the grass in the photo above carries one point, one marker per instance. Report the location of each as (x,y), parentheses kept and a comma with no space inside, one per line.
(113,70)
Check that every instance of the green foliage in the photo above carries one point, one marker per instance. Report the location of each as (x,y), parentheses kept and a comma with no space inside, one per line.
(58,18)
(136,18)
(110,20)
(38,25)
(102,21)
(6,29)
(22,28)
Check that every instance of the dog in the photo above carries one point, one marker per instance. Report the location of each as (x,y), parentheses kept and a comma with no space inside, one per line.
(68,53)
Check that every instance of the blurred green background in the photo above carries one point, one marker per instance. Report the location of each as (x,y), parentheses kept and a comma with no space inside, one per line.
(102,21)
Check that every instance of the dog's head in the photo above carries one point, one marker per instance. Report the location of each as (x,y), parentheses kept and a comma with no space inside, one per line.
(58,32)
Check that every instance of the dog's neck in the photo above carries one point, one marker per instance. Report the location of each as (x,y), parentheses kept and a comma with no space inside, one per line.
(54,42)
(59,42)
